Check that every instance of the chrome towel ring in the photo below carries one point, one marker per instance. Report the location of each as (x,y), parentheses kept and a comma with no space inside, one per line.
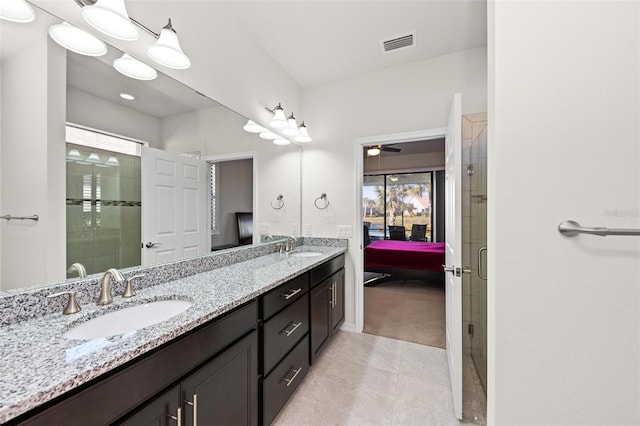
(323,199)
(279,202)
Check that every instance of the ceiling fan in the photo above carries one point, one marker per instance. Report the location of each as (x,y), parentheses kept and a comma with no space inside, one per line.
(372,151)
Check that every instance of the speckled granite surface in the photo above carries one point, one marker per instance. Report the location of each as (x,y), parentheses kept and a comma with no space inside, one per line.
(37,364)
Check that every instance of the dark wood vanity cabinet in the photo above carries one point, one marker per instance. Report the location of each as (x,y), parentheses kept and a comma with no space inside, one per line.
(285,343)
(239,369)
(223,391)
(219,358)
(326,304)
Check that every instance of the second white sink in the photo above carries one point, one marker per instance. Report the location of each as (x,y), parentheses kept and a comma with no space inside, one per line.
(128,319)
(305,254)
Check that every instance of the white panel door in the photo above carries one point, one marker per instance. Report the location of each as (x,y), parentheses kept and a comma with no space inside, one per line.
(453,254)
(174,206)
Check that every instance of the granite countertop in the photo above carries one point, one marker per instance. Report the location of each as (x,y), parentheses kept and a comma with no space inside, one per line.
(37,364)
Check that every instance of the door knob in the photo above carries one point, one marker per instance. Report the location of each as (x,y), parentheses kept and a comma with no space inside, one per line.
(150,244)
(455,271)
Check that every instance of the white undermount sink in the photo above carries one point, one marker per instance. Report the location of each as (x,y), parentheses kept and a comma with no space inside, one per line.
(128,319)
(305,254)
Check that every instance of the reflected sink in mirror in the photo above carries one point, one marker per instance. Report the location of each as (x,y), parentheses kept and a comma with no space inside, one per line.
(305,254)
(127,319)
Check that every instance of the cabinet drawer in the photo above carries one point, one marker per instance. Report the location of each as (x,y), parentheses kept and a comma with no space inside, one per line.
(328,268)
(283,331)
(284,295)
(284,379)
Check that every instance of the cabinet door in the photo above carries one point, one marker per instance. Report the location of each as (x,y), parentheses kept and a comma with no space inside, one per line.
(337,305)
(162,411)
(320,317)
(225,390)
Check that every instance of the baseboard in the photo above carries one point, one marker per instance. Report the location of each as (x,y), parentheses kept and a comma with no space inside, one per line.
(348,326)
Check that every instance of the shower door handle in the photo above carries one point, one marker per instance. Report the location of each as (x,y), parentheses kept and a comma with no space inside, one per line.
(481,273)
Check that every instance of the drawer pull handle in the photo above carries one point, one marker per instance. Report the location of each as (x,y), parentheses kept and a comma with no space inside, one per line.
(333,295)
(295,374)
(295,327)
(194,404)
(177,417)
(292,293)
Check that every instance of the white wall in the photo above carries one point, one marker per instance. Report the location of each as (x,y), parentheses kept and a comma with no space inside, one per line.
(92,111)
(400,99)
(564,313)
(33,152)
(217,131)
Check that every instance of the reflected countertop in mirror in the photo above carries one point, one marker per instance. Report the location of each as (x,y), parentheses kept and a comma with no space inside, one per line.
(44,86)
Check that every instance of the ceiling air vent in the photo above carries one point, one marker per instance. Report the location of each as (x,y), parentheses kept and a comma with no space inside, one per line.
(398,42)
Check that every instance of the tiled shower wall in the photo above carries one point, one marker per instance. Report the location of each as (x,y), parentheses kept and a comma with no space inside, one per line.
(103,210)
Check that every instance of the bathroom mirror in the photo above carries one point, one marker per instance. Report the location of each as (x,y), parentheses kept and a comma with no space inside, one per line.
(43,87)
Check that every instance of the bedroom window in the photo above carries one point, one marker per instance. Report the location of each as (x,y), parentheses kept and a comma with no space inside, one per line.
(398,199)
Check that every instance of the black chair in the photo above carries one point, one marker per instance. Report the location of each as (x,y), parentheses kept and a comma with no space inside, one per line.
(397,233)
(245,228)
(367,237)
(418,232)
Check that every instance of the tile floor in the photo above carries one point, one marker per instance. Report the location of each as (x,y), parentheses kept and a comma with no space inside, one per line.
(361,379)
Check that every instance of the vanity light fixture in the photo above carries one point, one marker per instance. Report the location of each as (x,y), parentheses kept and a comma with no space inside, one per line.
(281,141)
(93,158)
(292,127)
(267,134)
(74,155)
(111,18)
(133,68)
(303,134)
(127,96)
(16,11)
(77,40)
(167,51)
(279,120)
(252,127)
(372,151)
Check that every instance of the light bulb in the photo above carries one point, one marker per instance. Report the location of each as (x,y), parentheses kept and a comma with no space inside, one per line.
(303,134)
(266,134)
(281,141)
(279,120)
(292,127)
(252,127)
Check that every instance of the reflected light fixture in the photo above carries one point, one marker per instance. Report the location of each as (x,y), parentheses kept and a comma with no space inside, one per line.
(16,11)
(167,51)
(252,127)
(372,151)
(111,18)
(74,155)
(113,161)
(133,68)
(279,120)
(281,141)
(77,40)
(127,96)
(292,127)
(93,158)
(266,134)
(303,134)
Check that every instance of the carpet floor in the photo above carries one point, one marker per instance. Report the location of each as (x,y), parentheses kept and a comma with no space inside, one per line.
(412,310)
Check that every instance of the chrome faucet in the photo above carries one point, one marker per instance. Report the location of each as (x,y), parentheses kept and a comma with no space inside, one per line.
(105,286)
(291,240)
(79,268)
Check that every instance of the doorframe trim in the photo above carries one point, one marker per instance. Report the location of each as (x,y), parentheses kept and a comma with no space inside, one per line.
(358,257)
(245,155)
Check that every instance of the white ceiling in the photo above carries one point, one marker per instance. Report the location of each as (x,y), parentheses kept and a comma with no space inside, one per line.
(322,41)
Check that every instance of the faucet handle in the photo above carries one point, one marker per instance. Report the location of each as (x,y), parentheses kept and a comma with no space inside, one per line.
(128,289)
(72,303)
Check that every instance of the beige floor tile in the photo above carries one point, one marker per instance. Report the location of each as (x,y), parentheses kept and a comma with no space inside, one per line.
(376,351)
(318,414)
(425,363)
(364,376)
(423,403)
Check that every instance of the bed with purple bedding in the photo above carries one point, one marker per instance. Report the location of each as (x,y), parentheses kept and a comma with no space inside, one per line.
(407,258)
